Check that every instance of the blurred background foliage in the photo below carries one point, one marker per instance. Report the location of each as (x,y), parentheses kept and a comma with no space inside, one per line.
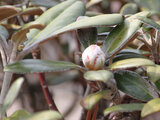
(66,87)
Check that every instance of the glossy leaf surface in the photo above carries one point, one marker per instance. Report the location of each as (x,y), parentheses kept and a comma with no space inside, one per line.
(61,26)
(36,66)
(133,85)
(121,34)
(132,62)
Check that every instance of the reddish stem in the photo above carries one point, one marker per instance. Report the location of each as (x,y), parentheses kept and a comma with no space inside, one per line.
(48,97)
(89,115)
(95,112)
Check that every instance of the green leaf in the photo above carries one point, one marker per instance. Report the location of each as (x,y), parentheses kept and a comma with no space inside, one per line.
(153,72)
(87,36)
(4,32)
(131,62)
(36,66)
(11,95)
(100,75)
(46,115)
(121,34)
(44,3)
(151,107)
(133,85)
(149,22)
(108,19)
(18,115)
(124,56)
(129,8)
(68,16)
(152,5)
(124,108)
(52,14)
(93,2)
(91,100)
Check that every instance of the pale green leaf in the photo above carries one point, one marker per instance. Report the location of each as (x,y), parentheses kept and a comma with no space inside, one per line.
(18,115)
(11,95)
(153,72)
(90,101)
(124,108)
(129,8)
(149,22)
(151,107)
(100,75)
(59,26)
(46,115)
(131,62)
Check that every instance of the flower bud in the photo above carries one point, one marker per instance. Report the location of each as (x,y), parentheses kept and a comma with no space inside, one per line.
(93,57)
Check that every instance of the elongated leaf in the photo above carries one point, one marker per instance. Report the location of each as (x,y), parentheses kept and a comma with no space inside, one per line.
(125,56)
(100,75)
(11,95)
(45,3)
(108,19)
(152,5)
(87,36)
(4,32)
(149,22)
(129,8)
(46,115)
(124,108)
(153,72)
(133,84)
(35,66)
(151,107)
(92,2)
(122,33)
(132,62)
(32,11)
(43,20)
(7,11)
(90,101)
(18,115)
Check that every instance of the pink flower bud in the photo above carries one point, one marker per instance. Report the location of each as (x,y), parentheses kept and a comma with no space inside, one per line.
(93,57)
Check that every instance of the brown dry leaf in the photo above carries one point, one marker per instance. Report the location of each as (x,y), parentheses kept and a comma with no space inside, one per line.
(20,36)
(7,11)
(32,11)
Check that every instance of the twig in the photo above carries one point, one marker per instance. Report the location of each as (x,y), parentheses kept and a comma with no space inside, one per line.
(48,97)
(7,76)
(95,112)
(89,115)
(47,94)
